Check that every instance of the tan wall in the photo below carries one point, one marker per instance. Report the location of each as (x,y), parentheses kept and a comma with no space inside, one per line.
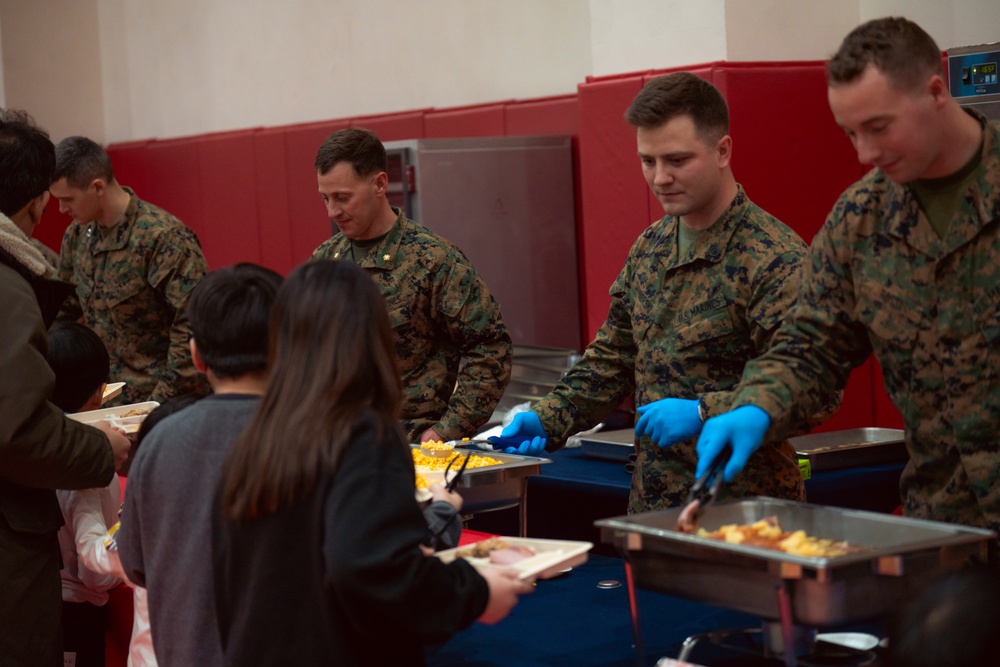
(130,69)
(52,65)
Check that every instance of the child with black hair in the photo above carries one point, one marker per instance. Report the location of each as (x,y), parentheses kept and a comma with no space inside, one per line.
(97,547)
(165,533)
(80,362)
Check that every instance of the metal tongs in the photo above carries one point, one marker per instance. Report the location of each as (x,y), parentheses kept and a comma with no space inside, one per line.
(450,484)
(711,478)
(493,443)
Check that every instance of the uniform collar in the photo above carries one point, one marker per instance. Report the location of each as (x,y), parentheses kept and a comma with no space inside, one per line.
(121,232)
(383,255)
(981,204)
(711,244)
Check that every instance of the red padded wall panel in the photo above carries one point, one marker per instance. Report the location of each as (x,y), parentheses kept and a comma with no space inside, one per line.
(485,120)
(554,115)
(857,409)
(130,162)
(229,232)
(788,152)
(270,190)
(308,223)
(615,207)
(173,180)
(394,127)
(794,162)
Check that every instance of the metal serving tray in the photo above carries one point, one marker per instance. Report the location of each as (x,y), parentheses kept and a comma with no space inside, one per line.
(851,447)
(900,554)
(498,486)
(613,445)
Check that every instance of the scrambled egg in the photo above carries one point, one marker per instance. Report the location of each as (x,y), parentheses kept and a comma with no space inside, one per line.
(767,534)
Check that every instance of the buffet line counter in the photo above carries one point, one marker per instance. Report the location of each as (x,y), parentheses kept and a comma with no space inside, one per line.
(568,495)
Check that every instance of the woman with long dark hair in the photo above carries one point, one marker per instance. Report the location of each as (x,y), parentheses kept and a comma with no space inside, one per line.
(317,550)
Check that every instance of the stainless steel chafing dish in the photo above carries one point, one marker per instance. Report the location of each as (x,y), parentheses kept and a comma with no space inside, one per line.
(792,594)
(899,553)
(498,486)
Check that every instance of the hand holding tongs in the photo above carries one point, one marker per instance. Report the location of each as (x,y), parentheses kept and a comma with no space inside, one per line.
(450,484)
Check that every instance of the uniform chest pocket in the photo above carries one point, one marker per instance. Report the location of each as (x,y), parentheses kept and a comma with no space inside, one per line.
(892,319)
(124,288)
(706,326)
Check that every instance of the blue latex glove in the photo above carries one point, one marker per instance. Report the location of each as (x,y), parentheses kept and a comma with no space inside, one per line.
(668,421)
(527,426)
(742,429)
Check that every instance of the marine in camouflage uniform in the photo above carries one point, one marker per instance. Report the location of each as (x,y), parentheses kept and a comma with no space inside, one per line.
(442,314)
(685,327)
(879,279)
(132,283)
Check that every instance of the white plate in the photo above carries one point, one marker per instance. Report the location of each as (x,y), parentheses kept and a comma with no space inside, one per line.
(552,557)
(112,390)
(855,640)
(128,424)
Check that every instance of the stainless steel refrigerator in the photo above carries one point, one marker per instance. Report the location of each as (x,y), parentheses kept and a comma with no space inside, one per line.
(508,203)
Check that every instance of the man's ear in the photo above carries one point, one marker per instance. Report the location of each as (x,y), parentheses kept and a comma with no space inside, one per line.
(938,90)
(724,151)
(100,187)
(37,207)
(199,363)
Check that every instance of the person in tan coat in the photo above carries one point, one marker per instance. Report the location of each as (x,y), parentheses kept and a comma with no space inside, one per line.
(40,449)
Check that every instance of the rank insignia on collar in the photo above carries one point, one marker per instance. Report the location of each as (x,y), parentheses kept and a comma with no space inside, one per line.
(385,258)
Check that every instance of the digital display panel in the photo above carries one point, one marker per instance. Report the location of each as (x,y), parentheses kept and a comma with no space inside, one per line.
(984,73)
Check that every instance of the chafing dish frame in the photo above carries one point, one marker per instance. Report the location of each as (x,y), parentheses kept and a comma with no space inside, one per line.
(795,590)
(500,486)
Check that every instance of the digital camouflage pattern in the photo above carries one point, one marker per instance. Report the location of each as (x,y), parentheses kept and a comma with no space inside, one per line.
(441,313)
(684,327)
(880,279)
(131,288)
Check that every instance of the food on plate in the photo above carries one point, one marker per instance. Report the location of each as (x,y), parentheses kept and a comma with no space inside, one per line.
(136,412)
(421,460)
(768,534)
(510,555)
(498,551)
(422,482)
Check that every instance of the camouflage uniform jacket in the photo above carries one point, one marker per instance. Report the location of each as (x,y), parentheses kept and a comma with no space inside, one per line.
(442,313)
(880,279)
(684,327)
(131,288)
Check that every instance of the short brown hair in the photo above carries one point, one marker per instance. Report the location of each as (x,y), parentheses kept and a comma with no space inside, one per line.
(81,160)
(896,46)
(681,94)
(356,145)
